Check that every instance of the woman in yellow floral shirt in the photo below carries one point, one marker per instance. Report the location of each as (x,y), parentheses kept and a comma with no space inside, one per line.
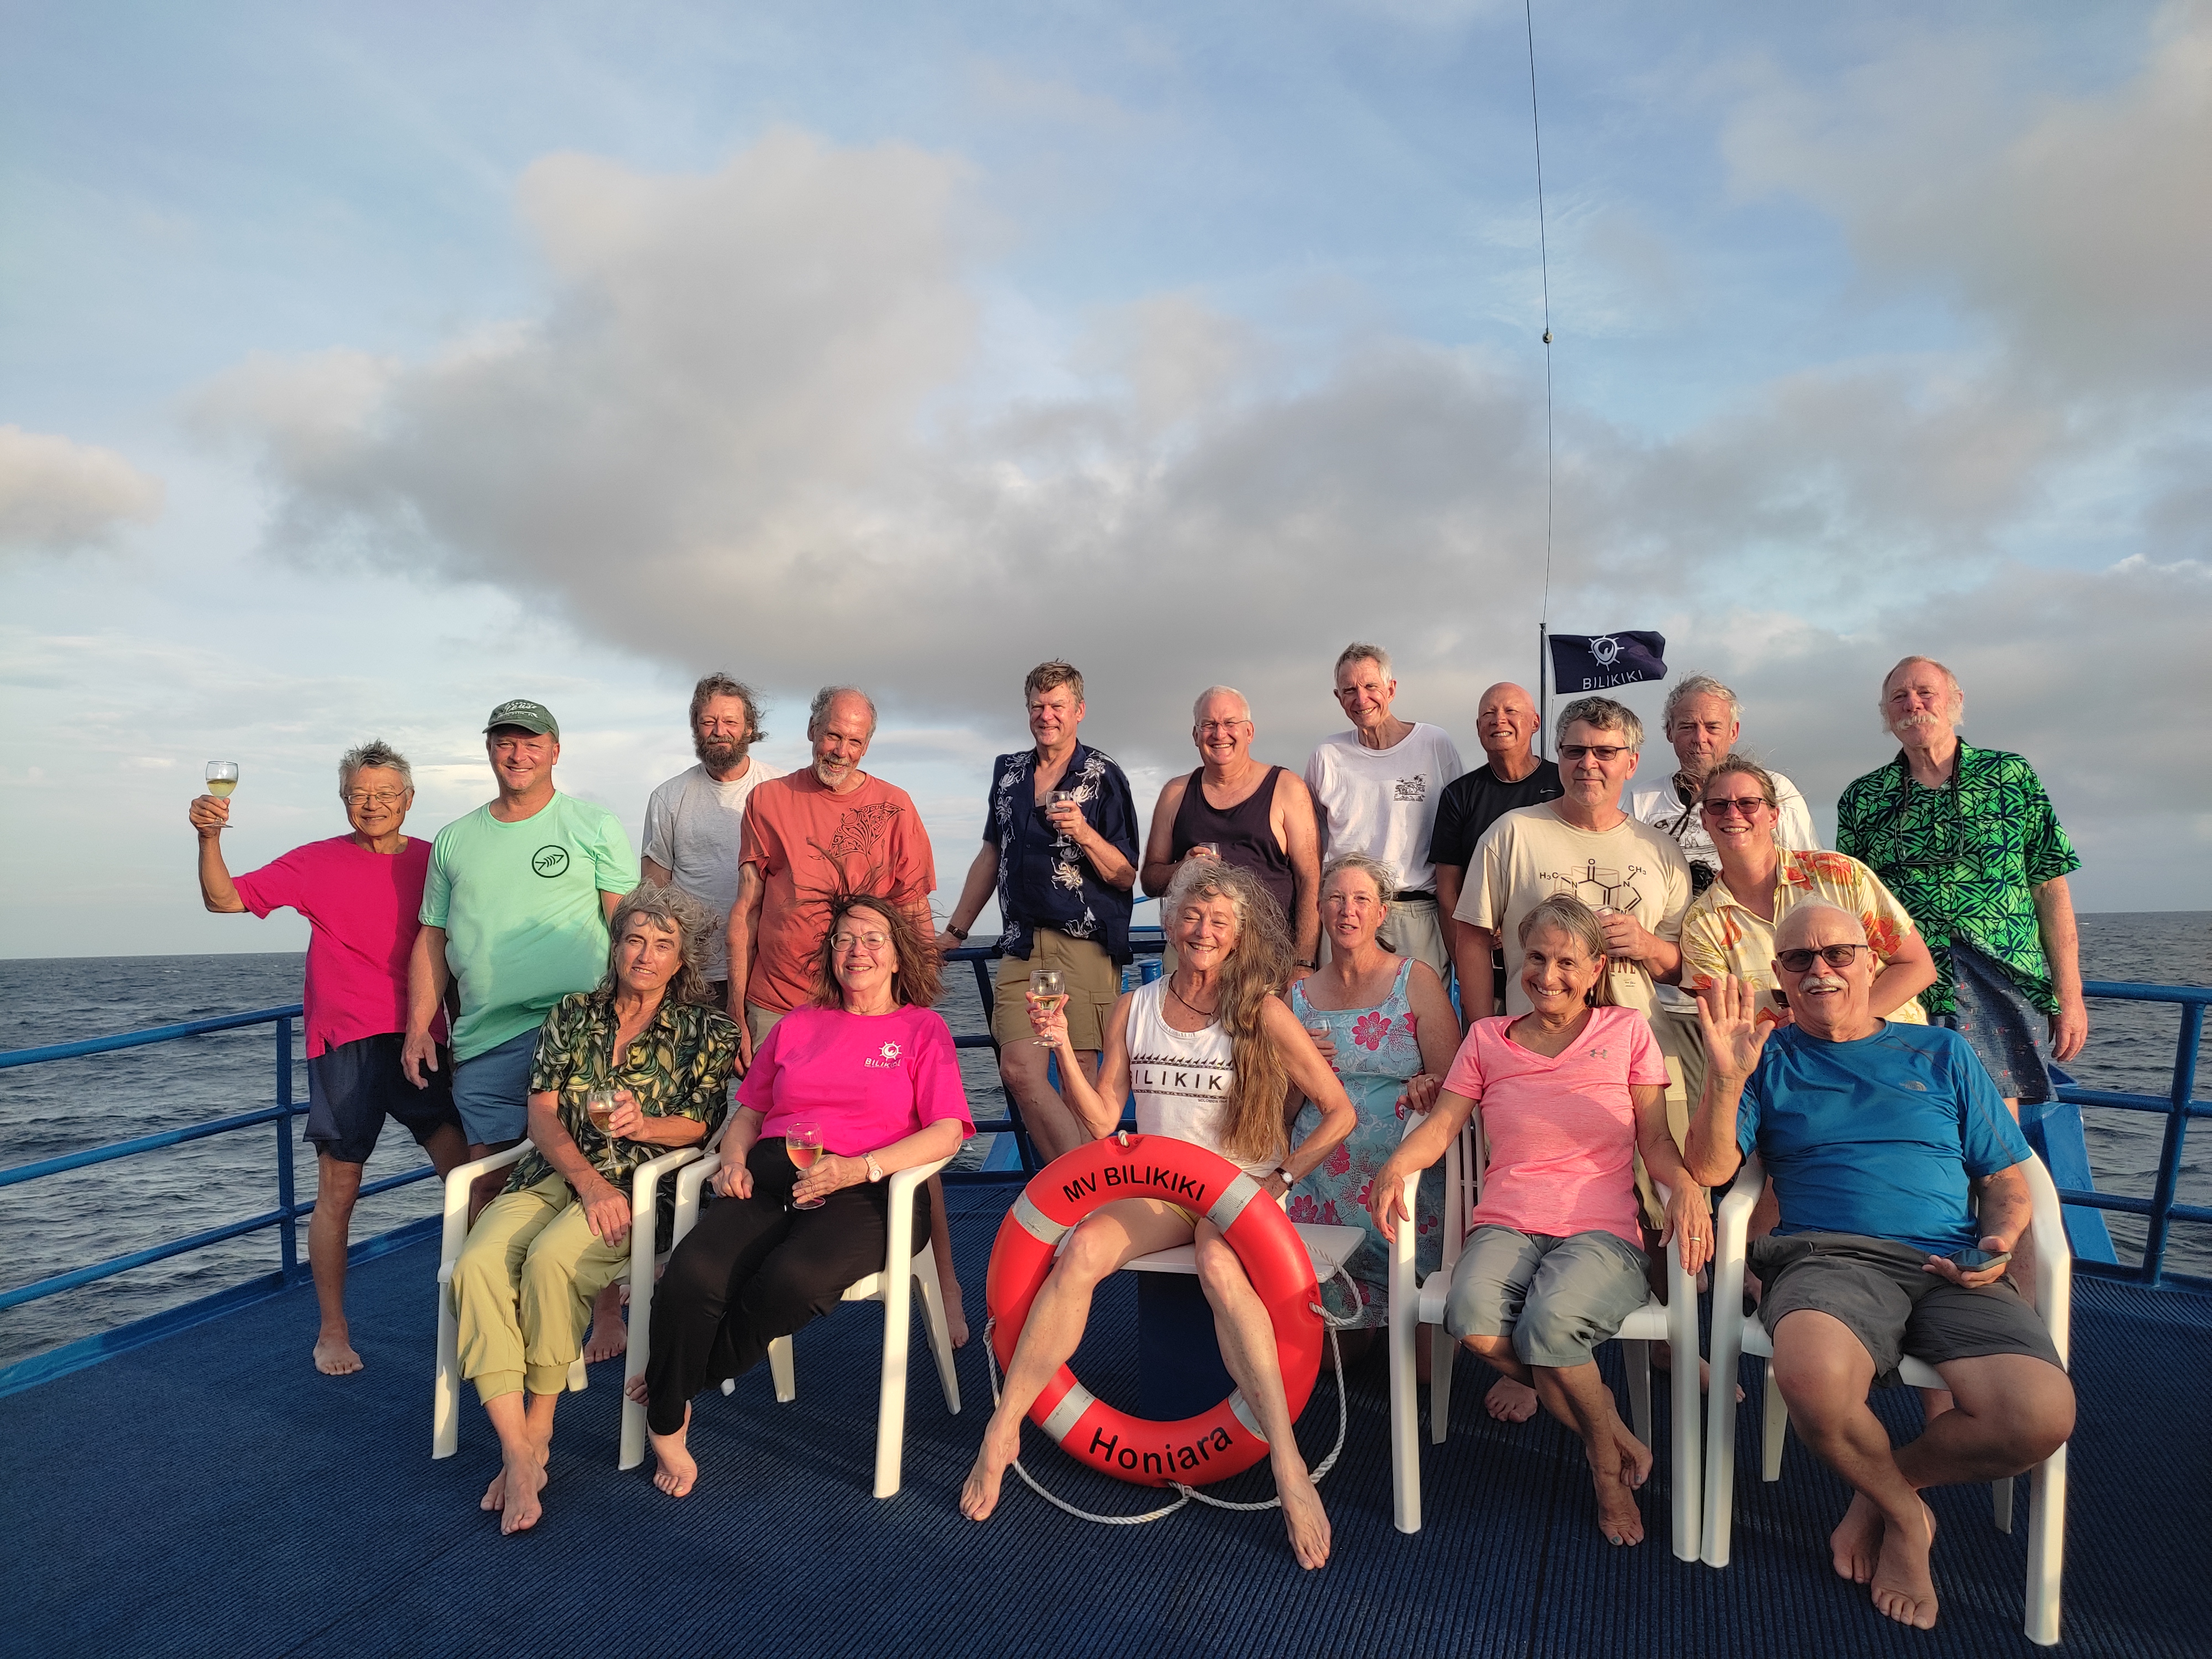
(560,1233)
(1729,927)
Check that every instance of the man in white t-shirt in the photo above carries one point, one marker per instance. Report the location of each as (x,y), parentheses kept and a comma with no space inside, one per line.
(1702,720)
(1376,789)
(693,823)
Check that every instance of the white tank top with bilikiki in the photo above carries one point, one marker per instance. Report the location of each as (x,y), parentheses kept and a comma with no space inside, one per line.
(1179,1079)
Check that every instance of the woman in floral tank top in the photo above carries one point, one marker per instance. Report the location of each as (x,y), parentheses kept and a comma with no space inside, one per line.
(1388,1022)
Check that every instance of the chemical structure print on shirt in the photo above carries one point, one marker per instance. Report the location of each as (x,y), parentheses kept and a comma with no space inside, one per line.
(1601,889)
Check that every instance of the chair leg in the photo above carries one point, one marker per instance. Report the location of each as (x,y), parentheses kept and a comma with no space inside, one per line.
(1404,1335)
(1443,1349)
(891,1399)
(780,1369)
(1637,1357)
(445,1390)
(1775,1430)
(940,1329)
(637,1353)
(579,1376)
(2001,1504)
(2046,1547)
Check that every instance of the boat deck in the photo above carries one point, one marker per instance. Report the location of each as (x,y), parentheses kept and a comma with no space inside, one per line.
(208,1494)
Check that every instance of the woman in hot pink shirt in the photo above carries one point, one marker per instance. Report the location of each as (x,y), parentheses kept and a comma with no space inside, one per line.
(1569,1093)
(873,1072)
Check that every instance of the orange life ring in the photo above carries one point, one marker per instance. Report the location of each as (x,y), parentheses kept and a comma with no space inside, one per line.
(1214,1444)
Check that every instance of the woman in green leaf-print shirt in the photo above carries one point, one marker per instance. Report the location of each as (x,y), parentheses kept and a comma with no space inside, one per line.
(559,1234)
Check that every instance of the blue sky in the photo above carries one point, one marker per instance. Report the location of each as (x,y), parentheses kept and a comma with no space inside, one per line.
(362,367)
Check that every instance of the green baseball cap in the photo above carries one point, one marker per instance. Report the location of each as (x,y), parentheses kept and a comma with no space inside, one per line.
(532,717)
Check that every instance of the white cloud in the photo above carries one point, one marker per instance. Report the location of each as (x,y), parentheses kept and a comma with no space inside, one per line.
(57,496)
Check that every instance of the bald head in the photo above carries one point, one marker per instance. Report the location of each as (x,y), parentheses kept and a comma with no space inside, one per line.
(1808,927)
(1506,725)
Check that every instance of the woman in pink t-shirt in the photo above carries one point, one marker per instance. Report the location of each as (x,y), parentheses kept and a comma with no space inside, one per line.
(1569,1093)
(875,1072)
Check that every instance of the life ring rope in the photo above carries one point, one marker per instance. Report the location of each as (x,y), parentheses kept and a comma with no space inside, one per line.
(1082,1397)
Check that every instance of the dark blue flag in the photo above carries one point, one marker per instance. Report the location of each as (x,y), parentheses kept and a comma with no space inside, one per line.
(1598,662)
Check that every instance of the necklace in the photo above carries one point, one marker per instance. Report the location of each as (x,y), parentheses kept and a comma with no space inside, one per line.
(1203,1013)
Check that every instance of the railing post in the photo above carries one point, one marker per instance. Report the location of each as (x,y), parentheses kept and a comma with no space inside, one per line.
(2177,1126)
(287,1243)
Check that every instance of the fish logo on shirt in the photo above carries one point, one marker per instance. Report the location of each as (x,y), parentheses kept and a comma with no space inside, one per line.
(550,861)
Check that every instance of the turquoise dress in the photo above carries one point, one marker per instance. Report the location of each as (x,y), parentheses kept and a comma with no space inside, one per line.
(1377,1050)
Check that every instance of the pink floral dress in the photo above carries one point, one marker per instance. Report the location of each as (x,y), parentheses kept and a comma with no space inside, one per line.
(1377,1049)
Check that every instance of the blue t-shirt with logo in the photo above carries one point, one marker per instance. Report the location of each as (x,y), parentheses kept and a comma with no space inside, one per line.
(1880,1137)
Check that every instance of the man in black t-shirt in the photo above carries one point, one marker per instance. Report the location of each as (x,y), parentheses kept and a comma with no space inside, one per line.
(1505,726)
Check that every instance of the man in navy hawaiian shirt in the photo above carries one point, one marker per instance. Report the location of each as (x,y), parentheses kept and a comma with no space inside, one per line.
(1060,849)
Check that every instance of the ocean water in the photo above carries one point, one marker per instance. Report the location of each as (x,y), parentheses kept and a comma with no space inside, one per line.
(91,1215)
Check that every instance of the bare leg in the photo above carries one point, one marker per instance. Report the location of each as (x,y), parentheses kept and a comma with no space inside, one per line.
(525,1441)
(1103,1240)
(1247,1349)
(940,1249)
(1577,1397)
(1824,1372)
(675,1471)
(486,1187)
(610,1336)
(1052,1125)
(338,1184)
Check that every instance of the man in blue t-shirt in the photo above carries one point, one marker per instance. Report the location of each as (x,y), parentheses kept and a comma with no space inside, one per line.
(1876,1134)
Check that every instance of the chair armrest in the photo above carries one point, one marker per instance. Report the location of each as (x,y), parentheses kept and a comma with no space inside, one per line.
(2054,1256)
(899,1223)
(458,1182)
(644,1199)
(1732,1218)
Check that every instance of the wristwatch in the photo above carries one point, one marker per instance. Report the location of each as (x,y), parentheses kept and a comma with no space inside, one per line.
(1303,963)
(960,934)
(1289,1180)
(875,1170)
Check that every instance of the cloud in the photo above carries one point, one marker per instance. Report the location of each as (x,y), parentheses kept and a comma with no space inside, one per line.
(2081,225)
(59,497)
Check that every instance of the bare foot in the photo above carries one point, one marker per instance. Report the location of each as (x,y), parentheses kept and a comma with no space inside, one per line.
(1635,1458)
(1903,1587)
(334,1354)
(979,1495)
(1856,1544)
(1510,1401)
(1302,1516)
(609,1337)
(1618,1516)
(677,1471)
(955,1317)
(636,1390)
(494,1497)
(524,1479)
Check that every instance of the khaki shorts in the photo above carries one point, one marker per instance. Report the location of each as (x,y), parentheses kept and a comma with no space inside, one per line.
(1682,1040)
(761,1021)
(1092,983)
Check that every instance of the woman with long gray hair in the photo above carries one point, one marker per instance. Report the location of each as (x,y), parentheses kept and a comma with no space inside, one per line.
(1218,1053)
(622,1073)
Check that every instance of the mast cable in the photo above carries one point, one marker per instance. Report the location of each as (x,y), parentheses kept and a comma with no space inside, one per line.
(1544,255)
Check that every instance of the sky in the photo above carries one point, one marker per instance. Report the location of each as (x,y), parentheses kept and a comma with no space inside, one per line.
(363,367)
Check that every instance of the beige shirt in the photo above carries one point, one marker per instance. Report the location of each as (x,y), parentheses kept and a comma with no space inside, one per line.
(1532,852)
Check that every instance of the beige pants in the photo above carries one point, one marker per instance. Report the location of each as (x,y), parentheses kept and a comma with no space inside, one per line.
(1683,1042)
(761,1021)
(524,1286)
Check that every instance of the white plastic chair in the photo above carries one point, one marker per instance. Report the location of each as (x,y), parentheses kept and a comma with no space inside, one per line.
(445,1391)
(1413,1304)
(902,1266)
(1735,1334)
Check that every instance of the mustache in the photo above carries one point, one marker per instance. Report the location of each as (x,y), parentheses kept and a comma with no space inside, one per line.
(1824,983)
(1914,722)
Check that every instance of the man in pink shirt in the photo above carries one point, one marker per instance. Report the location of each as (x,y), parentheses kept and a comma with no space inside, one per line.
(360,894)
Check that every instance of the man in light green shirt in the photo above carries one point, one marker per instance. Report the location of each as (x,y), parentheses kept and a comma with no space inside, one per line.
(514,911)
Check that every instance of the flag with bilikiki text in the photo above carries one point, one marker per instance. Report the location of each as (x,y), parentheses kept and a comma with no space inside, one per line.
(1598,662)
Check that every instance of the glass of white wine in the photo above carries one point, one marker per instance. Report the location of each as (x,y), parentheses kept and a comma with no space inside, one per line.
(1048,992)
(599,1106)
(222,778)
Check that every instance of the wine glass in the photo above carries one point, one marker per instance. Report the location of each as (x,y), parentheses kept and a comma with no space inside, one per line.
(803,1143)
(1058,798)
(222,778)
(599,1105)
(1047,991)
(1319,1031)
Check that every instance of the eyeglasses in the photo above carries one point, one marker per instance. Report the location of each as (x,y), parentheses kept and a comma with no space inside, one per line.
(872,943)
(375,798)
(1603,753)
(1221,725)
(1836,955)
(1741,805)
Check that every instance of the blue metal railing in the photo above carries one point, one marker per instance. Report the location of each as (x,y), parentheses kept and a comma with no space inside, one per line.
(2059,1130)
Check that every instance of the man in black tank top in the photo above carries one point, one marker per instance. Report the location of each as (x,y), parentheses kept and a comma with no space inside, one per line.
(1257,817)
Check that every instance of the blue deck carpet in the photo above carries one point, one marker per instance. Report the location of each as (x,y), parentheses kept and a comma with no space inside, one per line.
(209,1494)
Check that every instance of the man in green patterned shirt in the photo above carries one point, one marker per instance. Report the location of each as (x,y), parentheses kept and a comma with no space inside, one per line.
(1967,840)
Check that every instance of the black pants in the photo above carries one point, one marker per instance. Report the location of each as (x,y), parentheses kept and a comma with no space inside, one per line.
(752,1270)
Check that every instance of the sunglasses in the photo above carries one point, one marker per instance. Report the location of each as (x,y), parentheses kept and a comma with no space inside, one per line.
(1743,805)
(1836,955)
(1603,753)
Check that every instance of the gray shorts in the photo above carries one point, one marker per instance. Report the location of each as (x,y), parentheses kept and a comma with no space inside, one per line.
(1880,1291)
(1557,1298)
(491,1091)
(2005,1029)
